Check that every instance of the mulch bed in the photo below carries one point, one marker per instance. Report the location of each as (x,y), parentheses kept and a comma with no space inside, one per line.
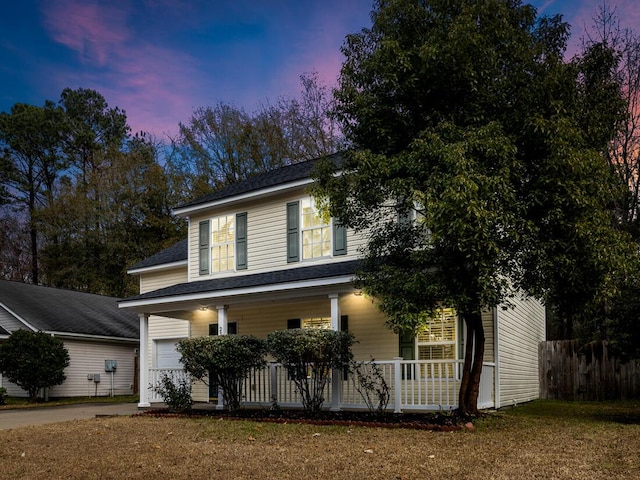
(417,421)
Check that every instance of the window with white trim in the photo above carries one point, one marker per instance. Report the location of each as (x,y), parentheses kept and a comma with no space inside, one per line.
(316,231)
(437,341)
(323,323)
(223,243)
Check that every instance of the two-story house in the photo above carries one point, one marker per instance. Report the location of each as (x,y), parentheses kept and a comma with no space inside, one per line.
(259,258)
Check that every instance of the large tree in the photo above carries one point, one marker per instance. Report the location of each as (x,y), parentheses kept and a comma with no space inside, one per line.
(224,144)
(31,142)
(465,117)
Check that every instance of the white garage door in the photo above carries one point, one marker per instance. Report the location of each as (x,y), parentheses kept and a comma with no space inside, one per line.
(166,354)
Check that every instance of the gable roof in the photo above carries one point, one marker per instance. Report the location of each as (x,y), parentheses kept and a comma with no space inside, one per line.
(66,311)
(229,284)
(280,176)
(174,254)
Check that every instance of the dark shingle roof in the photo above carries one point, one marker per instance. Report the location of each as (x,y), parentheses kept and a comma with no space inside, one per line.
(175,253)
(326,270)
(290,173)
(3,331)
(57,310)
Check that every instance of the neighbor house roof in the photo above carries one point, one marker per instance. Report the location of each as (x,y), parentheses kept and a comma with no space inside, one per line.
(66,311)
(287,174)
(229,284)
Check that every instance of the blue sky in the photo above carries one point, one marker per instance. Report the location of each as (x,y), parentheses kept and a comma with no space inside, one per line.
(160,59)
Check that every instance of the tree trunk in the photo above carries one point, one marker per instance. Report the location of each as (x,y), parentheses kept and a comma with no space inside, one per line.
(472,368)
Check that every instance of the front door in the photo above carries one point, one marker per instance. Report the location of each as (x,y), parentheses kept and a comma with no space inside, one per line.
(232,329)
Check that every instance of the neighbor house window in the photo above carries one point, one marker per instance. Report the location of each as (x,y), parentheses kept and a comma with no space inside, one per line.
(316,231)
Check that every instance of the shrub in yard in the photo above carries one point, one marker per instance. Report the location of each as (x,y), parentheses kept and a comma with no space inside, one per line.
(3,396)
(309,355)
(225,360)
(175,392)
(33,360)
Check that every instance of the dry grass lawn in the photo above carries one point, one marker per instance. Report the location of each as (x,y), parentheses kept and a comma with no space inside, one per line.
(545,440)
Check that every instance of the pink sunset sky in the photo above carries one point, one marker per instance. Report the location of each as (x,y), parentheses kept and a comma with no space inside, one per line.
(161,59)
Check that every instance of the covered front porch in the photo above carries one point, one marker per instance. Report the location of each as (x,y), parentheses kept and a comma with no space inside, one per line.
(413,385)
(425,377)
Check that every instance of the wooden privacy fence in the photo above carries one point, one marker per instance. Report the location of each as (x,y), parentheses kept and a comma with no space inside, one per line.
(570,371)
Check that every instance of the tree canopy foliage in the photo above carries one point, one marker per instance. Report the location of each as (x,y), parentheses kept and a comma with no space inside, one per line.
(465,117)
(223,144)
(33,361)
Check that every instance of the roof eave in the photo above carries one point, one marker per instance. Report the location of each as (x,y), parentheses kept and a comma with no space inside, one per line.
(157,268)
(186,211)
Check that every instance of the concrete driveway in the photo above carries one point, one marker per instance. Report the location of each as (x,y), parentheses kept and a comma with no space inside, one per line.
(22,417)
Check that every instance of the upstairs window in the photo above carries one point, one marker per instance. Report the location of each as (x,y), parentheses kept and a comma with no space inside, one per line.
(223,243)
(316,232)
(310,236)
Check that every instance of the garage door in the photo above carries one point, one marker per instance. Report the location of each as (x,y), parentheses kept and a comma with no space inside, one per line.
(166,354)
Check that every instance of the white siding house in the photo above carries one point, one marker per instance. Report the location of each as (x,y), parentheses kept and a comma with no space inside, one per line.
(92,329)
(259,258)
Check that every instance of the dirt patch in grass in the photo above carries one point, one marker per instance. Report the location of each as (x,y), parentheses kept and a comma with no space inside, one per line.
(544,440)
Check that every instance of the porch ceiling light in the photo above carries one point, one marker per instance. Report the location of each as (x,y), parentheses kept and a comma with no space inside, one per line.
(204,308)
(358,293)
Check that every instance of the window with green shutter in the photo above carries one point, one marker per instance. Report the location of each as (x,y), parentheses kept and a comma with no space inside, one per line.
(293,232)
(241,241)
(204,247)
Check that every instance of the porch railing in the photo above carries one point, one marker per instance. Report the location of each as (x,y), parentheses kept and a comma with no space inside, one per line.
(413,385)
(155,379)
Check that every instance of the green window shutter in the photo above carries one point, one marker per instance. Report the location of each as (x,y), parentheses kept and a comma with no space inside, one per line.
(293,323)
(339,239)
(204,247)
(407,351)
(293,232)
(241,241)
(344,323)
(232,328)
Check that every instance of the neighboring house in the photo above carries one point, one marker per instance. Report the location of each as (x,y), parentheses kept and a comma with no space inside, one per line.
(92,328)
(259,258)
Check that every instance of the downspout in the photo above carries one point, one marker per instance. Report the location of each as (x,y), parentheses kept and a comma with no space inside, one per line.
(496,358)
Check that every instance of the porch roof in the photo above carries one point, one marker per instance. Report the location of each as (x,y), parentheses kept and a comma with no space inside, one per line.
(231,284)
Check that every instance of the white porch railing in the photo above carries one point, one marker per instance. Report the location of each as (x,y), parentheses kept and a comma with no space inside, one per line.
(155,379)
(417,385)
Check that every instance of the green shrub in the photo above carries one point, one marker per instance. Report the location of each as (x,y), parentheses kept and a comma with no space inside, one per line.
(3,396)
(225,360)
(33,361)
(175,392)
(309,355)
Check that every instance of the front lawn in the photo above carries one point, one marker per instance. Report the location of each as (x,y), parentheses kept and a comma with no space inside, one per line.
(545,440)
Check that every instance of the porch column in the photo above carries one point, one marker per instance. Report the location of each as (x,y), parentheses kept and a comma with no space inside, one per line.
(223,329)
(336,377)
(143,380)
(223,321)
(335,311)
